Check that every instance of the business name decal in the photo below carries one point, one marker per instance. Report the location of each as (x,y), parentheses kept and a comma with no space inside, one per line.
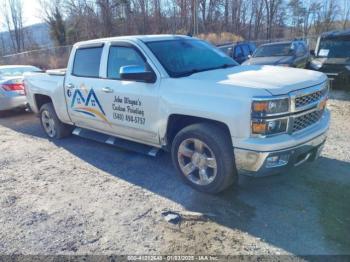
(88,105)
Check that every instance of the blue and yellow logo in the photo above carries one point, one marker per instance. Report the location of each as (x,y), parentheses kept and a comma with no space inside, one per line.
(90,105)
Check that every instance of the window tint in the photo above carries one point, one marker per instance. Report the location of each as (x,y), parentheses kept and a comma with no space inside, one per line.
(338,47)
(183,57)
(87,62)
(246,51)
(274,50)
(238,51)
(122,56)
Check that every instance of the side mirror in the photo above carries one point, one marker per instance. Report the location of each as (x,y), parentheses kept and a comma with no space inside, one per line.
(312,52)
(137,73)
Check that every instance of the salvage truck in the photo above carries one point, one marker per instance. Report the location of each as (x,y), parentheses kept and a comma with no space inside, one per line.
(183,95)
(332,57)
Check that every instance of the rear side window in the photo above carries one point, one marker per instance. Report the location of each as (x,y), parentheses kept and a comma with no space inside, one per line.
(87,62)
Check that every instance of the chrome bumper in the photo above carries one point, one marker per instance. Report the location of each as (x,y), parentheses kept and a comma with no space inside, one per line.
(255,163)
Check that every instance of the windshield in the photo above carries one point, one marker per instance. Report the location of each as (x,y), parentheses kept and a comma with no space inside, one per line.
(183,57)
(274,50)
(17,71)
(334,48)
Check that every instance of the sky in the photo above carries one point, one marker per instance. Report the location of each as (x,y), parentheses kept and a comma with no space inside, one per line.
(31,13)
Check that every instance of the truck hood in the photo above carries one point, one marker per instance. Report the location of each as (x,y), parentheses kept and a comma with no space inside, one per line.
(269,60)
(274,79)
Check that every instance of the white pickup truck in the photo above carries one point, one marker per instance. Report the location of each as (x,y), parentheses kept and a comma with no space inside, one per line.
(183,95)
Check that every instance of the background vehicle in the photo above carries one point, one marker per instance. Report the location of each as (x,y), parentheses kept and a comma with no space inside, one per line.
(332,56)
(290,54)
(240,51)
(217,119)
(12,93)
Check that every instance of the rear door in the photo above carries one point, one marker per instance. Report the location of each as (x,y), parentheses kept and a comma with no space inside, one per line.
(82,85)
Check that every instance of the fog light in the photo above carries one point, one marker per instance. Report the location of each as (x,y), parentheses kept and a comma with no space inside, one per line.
(277,161)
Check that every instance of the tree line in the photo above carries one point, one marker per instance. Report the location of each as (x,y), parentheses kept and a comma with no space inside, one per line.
(75,20)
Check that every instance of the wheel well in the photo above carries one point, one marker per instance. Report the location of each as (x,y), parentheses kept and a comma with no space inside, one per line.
(178,122)
(40,100)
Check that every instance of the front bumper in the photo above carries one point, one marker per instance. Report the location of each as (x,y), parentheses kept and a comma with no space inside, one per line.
(12,102)
(255,163)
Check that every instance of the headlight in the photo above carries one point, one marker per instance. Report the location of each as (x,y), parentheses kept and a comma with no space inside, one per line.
(261,108)
(269,127)
(315,64)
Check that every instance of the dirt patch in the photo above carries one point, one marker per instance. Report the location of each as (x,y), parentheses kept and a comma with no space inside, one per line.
(76,196)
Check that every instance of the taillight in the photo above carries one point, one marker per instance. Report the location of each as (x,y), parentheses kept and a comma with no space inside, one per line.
(13,87)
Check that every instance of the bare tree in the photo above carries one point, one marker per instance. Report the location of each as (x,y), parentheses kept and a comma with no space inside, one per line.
(53,16)
(272,7)
(13,15)
(345,13)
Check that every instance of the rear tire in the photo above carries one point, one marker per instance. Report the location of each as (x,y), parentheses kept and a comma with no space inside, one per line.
(203,156)
(51,124)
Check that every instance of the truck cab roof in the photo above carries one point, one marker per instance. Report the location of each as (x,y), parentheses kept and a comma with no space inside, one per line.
(335,34)
(143,38)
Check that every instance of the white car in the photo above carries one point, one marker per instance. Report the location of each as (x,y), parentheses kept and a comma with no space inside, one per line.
(12,93)
(183,95)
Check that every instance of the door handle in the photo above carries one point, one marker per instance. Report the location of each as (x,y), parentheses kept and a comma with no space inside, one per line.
(107,90)
(70,86)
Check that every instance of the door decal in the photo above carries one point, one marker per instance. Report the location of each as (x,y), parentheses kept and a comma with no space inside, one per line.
(90,105)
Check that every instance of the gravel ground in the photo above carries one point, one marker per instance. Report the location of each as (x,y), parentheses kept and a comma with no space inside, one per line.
(76,196)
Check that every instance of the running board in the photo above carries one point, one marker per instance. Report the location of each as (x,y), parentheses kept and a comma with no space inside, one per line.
(117,142)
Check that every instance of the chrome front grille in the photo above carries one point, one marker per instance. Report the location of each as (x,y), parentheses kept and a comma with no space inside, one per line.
(309,99)
(306,120)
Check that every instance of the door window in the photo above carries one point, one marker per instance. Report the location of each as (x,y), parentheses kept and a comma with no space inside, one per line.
(120,56)
(87,62)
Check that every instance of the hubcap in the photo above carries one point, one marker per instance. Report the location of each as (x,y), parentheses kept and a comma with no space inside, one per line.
(197,161)
(48,124)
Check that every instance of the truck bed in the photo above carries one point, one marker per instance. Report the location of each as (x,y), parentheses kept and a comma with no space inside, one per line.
(49,83)
(60,72)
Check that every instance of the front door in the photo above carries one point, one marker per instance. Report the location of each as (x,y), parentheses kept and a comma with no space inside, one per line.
(131,106)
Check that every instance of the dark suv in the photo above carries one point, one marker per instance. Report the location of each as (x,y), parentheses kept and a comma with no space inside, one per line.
(332,57)
(240,51)
(290,53)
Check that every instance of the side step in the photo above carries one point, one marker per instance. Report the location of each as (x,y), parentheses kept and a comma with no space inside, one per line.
(117,142)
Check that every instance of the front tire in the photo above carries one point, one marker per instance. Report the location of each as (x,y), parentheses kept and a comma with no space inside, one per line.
(51,124)
(203,156)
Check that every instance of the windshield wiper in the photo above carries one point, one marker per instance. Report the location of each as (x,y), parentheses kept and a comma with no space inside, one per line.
(188,73)
(194,71)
